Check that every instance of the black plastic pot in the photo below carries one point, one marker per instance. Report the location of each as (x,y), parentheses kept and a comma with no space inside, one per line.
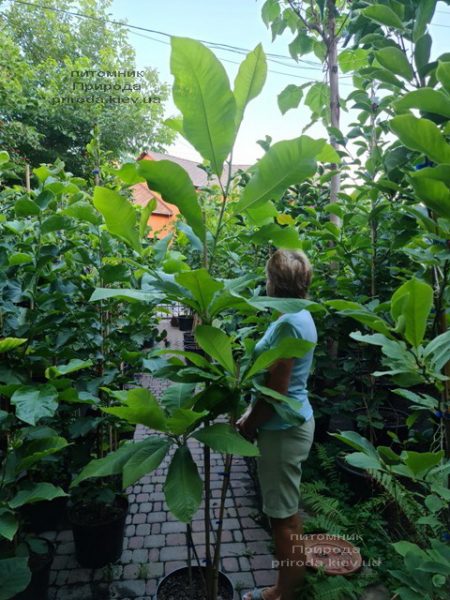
(185,322)
(46,516)
(360,482)
(174,321)
(176,585)
(99,543)
(394,421)
(40,573)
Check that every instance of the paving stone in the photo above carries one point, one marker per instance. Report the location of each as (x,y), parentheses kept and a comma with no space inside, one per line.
(154,541)
(136,542)
(156,517)
(131,588)
(261,562)
(131,571)
(139,518)
(65,536)
(230,565)
(253,535)
(143,529)
(173,565)
(173,527)
(74,592)
(172,553)
(79,576)
(150,588)
(266,577)
(139,556)
(66,548)
(242,581)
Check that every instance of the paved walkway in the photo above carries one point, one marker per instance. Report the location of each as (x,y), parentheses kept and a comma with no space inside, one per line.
(155,542)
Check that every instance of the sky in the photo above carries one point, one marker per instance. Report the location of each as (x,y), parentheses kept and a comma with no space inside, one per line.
(239,23)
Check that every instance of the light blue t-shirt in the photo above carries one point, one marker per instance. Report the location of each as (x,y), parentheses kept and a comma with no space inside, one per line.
(291,325)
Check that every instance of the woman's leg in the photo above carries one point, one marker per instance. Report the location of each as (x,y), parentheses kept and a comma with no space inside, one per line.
(290,554)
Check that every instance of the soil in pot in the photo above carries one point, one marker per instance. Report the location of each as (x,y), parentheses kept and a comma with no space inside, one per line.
(98,532)
(40,573)
(176,586)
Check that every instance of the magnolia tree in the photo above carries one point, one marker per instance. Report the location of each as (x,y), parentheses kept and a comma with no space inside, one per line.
(212,384)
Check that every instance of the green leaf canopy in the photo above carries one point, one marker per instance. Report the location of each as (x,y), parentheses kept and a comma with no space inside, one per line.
(421,135)
(202,93)
(140,407)
(412,302)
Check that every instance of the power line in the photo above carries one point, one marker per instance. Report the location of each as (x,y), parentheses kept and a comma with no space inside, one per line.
(217,45)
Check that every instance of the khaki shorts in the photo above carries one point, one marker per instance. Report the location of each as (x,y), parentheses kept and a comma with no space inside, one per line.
(280,467)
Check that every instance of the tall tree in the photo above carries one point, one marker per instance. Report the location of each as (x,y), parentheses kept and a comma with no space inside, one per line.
(61,77)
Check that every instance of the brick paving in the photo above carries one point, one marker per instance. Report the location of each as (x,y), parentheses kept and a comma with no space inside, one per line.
(155,542)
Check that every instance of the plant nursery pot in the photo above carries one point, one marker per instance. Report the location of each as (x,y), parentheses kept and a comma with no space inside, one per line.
(361,483)
(394,420)
(40,573)
(185,322)
(46,516)
(174,321)
(176,586)
(99,540)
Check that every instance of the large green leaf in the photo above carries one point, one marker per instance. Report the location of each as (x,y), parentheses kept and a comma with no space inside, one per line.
(443,75)
(146,458)
(426,100)
(15,576)
(129,295)
(356,441)
(395,61)
(424,13)
(412,303)
(363,461)
(290,97)
(183,419)
(217,344)
(249,81)
(201,285)
(421,135)
(140,407)
(83,211)
(179,395)
(439,350)
(32,452)
(383,15)
(183,486)
(287,348)
(221,437)
(112,464)
(175,187)
(284,305)
(202,93)
(8,524)
(34,402)
(9,343)
(37,492)
(350,60)
(74,365)
(120,216)
(421,462)
(285,163)
(361,314)
(435,194)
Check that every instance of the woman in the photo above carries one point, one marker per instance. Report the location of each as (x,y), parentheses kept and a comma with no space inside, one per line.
(284,446)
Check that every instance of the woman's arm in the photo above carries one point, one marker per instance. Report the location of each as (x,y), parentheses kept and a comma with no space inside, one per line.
(278,380)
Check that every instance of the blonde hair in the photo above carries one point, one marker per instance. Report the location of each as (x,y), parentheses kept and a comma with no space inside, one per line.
(289,274)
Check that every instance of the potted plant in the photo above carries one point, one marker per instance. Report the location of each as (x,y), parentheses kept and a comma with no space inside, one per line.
(97,514)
